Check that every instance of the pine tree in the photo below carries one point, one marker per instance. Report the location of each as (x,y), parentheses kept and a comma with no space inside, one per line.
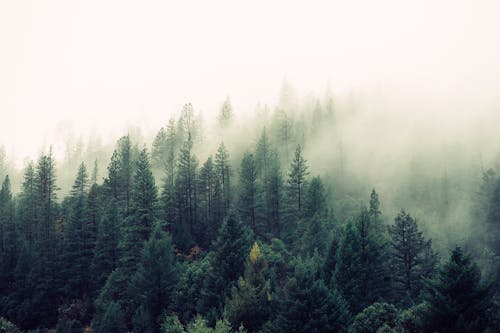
(226,114)
(248,191)
(113,320)
(223,171)
(77,249)
(8,241)
(159,149)
(155,279)
(168,195)
(105,257)
(458,301)
(307,305)
(315,199)
(227,263)
(408,246)
(349,271)
(27,208)
(138,226)
(186,197)
(207,188)
(250,299)
(297,179)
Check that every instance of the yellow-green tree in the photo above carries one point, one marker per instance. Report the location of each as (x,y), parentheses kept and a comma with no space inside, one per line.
(249,302)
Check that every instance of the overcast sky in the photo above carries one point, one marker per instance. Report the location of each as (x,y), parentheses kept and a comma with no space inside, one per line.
(106,64)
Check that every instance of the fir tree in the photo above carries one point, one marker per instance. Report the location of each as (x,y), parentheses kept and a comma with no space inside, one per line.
(458,300)
(155,279)
(249,304)
(408,246)
(297,179)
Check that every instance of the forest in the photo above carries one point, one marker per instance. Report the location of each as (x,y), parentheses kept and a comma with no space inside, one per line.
(276,222)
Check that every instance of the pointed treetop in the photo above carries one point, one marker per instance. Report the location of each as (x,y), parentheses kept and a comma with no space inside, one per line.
(254,253)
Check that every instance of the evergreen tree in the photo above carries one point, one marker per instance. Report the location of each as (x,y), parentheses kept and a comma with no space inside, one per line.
(186,197)
(159,150)
(207,192)
(458,301)
(8,241)
(226,114)
(349,272)
(105,257)
(113,320)
(297,179)
(248,191)
(223,171)
(138,225)
(408,246)
(27,208)
(249,302)
(315,199)
(307,305)
(168,194)
(155,279)
(227,263)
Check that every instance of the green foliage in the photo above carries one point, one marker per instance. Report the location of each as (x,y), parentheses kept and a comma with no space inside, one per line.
(375,317)
(105,256)
(458,301)
(249,303)
(8,327)
(155,279)
(297,179)
(113,320)
(408,259)
(66,325)
(248,193)
(227,263)
(171,324)
(307,305)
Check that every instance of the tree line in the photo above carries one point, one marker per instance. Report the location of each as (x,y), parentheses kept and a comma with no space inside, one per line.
(218,247)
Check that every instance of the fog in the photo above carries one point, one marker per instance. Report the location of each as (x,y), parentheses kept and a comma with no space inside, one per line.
(102,66)
(414,85)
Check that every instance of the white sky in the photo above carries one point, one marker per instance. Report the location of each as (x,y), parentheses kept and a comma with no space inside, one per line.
(106,64)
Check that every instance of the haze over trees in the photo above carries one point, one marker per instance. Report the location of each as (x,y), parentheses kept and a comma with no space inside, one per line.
(273,230)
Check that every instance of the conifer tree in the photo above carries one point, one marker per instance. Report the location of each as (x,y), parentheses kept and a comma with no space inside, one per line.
(248,191)
(223,179)
(307,305)
(207,192)
(156,277)
(458,300)
(227,263)
(297,179)
(226,114)
(105,257)
(8,239)
(250,299)
(408,246)
(186,196)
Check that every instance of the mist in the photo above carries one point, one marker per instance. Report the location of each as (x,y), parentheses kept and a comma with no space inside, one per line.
(392,96)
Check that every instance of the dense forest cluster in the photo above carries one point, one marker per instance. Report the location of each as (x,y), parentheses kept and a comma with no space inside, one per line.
(249,239)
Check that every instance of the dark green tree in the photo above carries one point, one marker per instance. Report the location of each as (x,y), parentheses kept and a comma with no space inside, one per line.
(223,172)
(408,254)
(105,257)
(227,263)
(154,281)
(307,305)
(297,179)
(8,241)
(249,303)
(458,300)
(186,197)
(248,191)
